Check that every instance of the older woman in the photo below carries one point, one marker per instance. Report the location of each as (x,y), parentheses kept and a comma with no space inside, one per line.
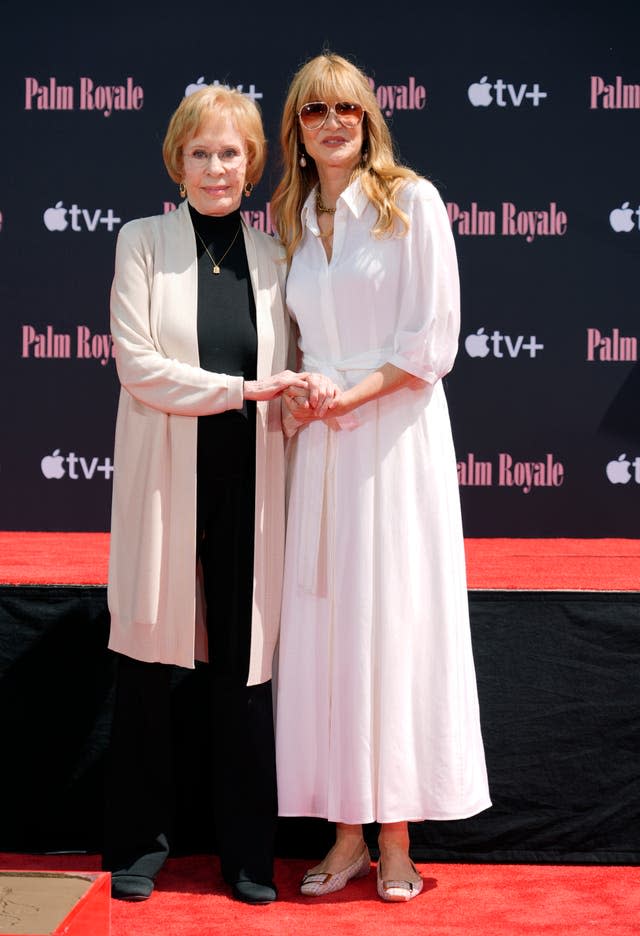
(377,705)
(198,522)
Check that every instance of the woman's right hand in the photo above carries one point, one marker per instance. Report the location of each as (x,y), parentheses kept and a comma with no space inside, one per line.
(268,388)
(321,398)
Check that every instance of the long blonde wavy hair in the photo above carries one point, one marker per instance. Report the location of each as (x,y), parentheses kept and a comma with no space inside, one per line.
(329,77)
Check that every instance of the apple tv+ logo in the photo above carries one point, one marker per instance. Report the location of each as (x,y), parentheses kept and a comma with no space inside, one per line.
(621,219)
(56,466)
(200,83)
(481,345)
(504,93)
(82,219)
(618,470)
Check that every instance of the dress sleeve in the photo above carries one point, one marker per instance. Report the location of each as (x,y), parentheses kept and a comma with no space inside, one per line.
(151,377)
(426,338)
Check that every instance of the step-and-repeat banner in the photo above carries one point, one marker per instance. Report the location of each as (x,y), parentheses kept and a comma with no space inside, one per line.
(527,122)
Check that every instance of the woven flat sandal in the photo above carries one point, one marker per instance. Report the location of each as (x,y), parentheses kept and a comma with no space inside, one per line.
(397,891)
(320,883)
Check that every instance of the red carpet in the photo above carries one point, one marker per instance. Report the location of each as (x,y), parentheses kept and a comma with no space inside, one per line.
(554,564)
(458,900)
(547,564)
(53,558)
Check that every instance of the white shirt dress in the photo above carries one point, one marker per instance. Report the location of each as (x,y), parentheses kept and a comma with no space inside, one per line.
(377,710)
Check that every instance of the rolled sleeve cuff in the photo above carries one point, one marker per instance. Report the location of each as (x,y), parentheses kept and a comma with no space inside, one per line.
(411,367)
(235,393)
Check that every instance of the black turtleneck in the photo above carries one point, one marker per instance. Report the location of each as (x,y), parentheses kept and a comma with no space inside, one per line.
(227,341)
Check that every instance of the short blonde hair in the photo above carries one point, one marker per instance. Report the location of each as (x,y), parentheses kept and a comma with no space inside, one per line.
(331,77)
(193,111)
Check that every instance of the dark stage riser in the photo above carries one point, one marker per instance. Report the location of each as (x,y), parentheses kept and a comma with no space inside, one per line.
(557,675)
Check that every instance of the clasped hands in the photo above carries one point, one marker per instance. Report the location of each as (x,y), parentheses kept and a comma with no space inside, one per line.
(320,399)
(307,396)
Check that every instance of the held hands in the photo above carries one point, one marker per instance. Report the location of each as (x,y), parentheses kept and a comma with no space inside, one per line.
(270,387)
(325,400)
(319,400)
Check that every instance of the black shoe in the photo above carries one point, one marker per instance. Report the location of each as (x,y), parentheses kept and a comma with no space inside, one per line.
(252,892)
(131,887)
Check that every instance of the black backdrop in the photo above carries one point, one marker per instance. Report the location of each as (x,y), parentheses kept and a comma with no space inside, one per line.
(555,143)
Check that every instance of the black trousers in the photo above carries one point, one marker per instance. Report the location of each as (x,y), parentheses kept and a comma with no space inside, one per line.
(141,779)
(237,727)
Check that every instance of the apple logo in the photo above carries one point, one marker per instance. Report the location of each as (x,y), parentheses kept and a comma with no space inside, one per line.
(480,93)
(195,86)
(621,219)
(618,470)
(477,345)
(54,218)
(51,465)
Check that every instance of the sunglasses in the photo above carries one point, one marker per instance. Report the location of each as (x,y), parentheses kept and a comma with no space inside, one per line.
(314,115)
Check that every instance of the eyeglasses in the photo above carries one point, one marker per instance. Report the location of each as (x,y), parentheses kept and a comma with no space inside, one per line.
(314,115)
(230,158)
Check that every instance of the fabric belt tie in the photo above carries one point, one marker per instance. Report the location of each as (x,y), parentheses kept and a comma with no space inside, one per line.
(316,464)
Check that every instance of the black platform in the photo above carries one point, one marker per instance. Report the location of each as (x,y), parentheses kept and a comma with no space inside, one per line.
(558,677)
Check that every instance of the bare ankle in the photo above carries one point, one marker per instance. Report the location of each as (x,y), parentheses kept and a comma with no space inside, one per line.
(349,836)
(394,837)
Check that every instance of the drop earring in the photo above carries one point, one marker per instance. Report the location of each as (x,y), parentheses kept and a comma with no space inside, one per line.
(182,190)
(248,189)
(303,159)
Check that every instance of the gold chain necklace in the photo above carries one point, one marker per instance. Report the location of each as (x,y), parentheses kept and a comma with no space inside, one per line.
(216,263)
(320,206)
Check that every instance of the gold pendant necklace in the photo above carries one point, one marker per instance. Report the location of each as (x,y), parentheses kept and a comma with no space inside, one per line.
(216,263)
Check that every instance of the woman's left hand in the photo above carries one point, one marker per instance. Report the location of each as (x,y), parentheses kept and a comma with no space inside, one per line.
(317,402)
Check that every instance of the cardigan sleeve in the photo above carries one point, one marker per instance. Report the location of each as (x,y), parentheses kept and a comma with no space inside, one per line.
(151,377)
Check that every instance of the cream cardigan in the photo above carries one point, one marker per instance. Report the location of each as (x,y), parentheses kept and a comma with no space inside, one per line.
(154,595)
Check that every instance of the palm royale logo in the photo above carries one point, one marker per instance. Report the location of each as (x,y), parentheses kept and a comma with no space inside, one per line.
(50,95)
(509,473)
(258,218)
(615,96)
(408,96)
(611,347)
(509,220)
(48,344)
